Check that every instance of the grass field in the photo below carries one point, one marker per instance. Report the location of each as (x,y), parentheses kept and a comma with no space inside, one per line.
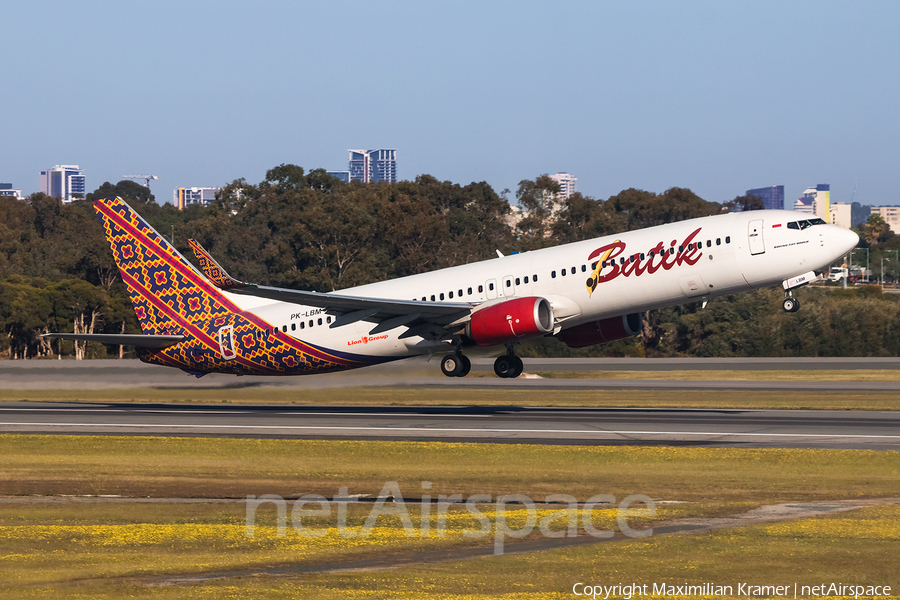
(105,549)
(383,396)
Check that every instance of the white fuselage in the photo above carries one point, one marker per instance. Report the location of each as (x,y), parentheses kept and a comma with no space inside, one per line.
(739,252)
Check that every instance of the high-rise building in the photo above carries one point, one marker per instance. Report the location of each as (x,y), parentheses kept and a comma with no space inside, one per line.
(819,198)
(841,215)
(7,191)
(890,214)
(203,196)
(63,181)
(566,184)
(342,175)
(772,196)
(370,166)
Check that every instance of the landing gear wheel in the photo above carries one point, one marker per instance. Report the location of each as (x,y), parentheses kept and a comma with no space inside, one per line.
(452,365)
(790,304)
(520,366)
(508,366)
(466,365)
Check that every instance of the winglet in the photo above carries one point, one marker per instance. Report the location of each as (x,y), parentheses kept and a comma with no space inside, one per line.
(215,273)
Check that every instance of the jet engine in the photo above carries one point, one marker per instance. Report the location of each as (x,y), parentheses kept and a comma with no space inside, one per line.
(604,330)
(511,321)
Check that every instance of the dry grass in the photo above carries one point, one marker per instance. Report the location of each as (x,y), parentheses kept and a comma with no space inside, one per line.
(67,542)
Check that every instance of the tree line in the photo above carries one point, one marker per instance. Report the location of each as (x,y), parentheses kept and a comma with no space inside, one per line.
(308,230)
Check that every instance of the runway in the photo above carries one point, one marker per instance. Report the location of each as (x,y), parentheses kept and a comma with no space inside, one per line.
(419,373)
(594,426)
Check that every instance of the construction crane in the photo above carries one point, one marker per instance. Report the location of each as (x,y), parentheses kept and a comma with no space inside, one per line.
(146,178)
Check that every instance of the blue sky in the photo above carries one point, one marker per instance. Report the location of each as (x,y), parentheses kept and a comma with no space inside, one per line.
(716,96)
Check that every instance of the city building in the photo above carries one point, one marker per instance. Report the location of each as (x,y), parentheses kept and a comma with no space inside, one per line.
(566,184)
(342,175)
(818,199)
(370,166)
(63,181)
(772,196)
(805,206)
(841,215)
(203,196)
(7,191)
(890,214)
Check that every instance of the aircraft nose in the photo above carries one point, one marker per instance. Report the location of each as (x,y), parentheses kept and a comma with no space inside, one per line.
(843,239)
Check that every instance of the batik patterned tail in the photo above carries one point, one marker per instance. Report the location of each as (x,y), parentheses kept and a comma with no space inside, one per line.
(166,291)
(171,297)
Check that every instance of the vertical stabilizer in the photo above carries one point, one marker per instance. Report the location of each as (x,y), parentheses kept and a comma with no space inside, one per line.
(166,291)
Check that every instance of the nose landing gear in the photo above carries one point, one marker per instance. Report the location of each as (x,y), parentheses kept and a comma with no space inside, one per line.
(790,303)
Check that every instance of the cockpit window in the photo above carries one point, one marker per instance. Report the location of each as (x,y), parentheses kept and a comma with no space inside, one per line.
(805,224)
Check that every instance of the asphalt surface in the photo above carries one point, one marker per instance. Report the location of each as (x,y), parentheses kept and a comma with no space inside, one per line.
(600,426)
(419,373)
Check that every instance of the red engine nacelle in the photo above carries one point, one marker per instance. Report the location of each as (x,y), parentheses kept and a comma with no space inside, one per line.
(604,330)
(510,321)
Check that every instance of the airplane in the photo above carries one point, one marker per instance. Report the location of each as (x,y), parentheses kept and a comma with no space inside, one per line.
(583,293)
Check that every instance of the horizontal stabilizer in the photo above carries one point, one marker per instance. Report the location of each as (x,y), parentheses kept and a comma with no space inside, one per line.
(156,342)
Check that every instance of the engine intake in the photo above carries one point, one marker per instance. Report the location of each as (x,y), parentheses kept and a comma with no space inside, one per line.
(510,321)
(604,330)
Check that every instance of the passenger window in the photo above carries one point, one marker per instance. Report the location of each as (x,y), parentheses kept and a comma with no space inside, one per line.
(320,320)
(423,298)
(708,243)
(552,274)
(310,322)
(442,295)
(518,282)
(534,278)
(451,295)
(563,272)
(642,256)
(432,297)
(574,270)
(509,283)
(681,248)
(491,287)
(652,254)
(302,325)
(593,266)
(293,327)
(526,279)
(328,320)
(470,291)
(718,241)
(584,268)
(480,289)
(727,239)
(284,328)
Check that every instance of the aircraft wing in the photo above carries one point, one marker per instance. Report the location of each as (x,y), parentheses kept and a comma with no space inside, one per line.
(417,316)
(156,342)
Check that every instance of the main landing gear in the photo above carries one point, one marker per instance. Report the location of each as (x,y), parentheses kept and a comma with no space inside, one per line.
(456,365)
(790,303)
(509,365)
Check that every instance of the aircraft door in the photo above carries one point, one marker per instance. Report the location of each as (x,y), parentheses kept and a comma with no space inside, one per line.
(509,286)
(755,237)
(490,288)
(226,342)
